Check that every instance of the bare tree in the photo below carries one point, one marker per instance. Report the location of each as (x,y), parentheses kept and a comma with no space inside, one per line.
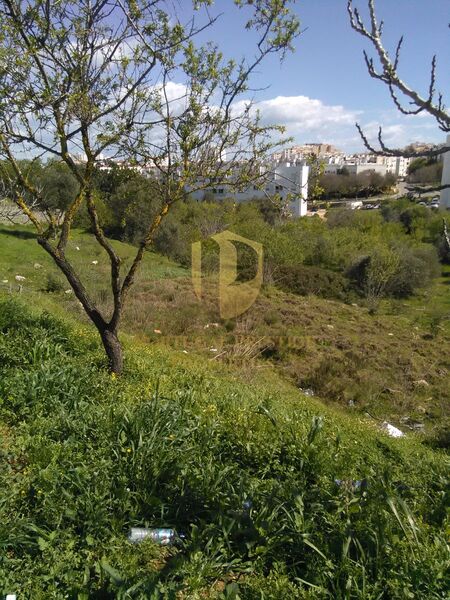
(388,73)
(125,78)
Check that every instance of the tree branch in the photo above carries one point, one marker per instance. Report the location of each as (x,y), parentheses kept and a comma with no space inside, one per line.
(386,151)
(389,74)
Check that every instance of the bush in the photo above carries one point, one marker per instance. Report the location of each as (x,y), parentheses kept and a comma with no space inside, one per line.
(399,271)
(54,284)
(304,280)
(415,217)
(417,268)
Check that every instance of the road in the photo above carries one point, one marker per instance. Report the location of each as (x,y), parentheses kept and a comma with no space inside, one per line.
(402,191)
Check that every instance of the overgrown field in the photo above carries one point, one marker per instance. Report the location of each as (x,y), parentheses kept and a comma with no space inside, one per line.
(245,471)
(394,364)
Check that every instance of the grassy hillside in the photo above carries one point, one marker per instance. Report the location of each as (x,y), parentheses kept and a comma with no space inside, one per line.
(21,255)
(244,470)
(394,364)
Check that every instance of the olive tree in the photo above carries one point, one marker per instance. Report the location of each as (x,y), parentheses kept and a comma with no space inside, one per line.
(128,79)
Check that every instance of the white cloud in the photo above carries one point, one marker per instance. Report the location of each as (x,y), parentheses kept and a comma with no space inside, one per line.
(174,91)
(303,113)
(399,130)
(311,120)
(308,119)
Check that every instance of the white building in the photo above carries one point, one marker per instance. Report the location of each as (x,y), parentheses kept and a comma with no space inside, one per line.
(366,168)
(287,181)
(358,163)
(397,165)
(332,168)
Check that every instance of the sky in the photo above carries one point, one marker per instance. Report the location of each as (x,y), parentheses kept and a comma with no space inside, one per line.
(320,90)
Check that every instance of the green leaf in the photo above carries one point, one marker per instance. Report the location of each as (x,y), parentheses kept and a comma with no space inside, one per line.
(311,545)
(43,544)
(115,576)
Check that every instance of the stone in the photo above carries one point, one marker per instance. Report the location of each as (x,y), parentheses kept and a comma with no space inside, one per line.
(421,382)
(307,391)
(391,430)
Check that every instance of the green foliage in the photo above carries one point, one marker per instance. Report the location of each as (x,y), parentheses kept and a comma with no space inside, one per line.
(417,163)
(57,184)
(54,283)
(425,170)
(362,185)
(316,170)
(418,266)
(414,217)
(419,222)
(397,271)
(248,478)
(384,253)
(305,280)
(128,201)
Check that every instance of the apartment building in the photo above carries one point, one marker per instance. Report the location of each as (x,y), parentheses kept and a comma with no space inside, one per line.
(287,180)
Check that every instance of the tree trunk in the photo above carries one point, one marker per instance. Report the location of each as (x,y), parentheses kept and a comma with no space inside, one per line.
(113,349)
(446,236)
(107,331)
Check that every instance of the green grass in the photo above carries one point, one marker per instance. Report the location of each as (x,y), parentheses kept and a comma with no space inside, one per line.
(348,357)
(21,255)
(181,442)
(431,304)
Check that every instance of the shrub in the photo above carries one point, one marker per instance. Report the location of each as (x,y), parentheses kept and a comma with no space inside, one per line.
(417,267)
(54,284)
(415,218)
(304,280)
(398,271)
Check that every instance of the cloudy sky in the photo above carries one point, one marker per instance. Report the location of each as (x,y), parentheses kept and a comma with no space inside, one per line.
(323,88)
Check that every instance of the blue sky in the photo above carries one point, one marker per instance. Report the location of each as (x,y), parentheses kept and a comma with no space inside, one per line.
(321,89)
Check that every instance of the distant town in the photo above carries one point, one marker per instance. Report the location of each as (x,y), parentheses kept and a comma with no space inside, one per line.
(288,173)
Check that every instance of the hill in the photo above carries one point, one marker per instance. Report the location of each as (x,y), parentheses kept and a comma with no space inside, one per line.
(272,494)
(394,364)
(276,491)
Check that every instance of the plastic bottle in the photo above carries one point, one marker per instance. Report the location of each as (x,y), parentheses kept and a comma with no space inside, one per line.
(161,536)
